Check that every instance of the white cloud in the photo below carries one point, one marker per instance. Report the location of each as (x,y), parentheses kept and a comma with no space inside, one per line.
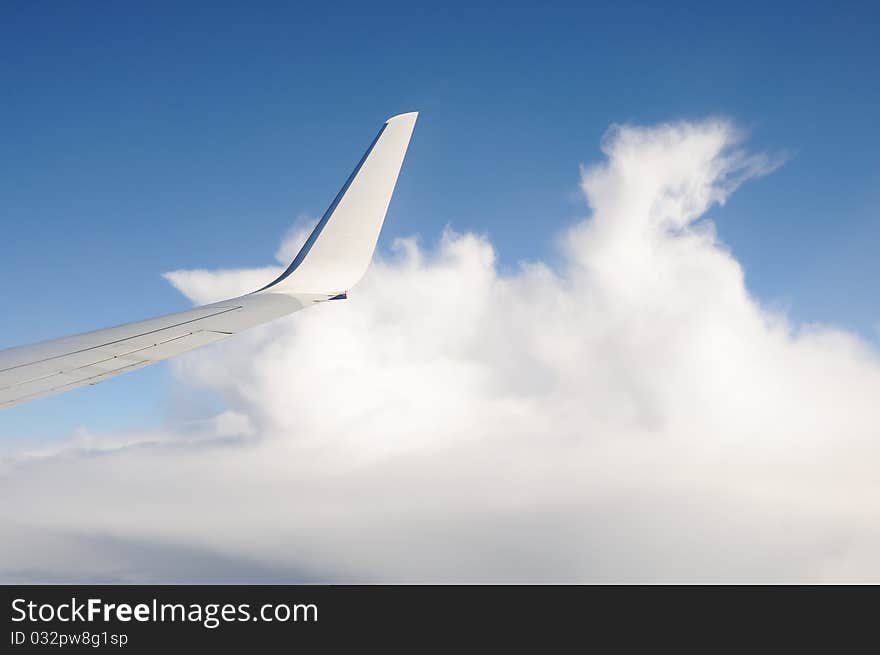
(634,415)
(203,286)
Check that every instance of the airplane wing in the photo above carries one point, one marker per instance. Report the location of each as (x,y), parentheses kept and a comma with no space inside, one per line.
(332,261)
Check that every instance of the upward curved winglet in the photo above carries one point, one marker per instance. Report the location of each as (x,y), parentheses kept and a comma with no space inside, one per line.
(333,259)
(337,253)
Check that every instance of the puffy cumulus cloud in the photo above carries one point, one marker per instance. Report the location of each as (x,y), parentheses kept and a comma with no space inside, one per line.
(204,286)
(633,414)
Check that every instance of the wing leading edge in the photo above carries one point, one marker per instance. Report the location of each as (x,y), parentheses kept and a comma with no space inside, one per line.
(332,261)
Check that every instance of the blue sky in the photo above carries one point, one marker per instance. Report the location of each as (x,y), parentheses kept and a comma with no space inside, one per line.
(140,140)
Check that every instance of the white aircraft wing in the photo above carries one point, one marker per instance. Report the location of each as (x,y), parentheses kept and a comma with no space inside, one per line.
(332,261)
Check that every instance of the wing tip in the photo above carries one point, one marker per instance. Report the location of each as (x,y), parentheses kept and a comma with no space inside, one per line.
(411,116)
(398,137)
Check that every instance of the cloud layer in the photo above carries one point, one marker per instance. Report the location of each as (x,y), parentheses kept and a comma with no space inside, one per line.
(630,415)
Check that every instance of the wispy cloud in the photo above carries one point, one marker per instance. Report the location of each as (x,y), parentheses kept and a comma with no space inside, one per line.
(632,415)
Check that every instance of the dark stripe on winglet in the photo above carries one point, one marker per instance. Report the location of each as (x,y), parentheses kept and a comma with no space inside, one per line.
(301,255)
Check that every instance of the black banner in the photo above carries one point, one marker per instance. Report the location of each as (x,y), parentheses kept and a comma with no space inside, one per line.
(153,618)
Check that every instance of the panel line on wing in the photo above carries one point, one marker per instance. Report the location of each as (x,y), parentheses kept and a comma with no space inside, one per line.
(111,343)
(96,372)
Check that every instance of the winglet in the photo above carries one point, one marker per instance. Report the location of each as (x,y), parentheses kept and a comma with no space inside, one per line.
(337,253)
